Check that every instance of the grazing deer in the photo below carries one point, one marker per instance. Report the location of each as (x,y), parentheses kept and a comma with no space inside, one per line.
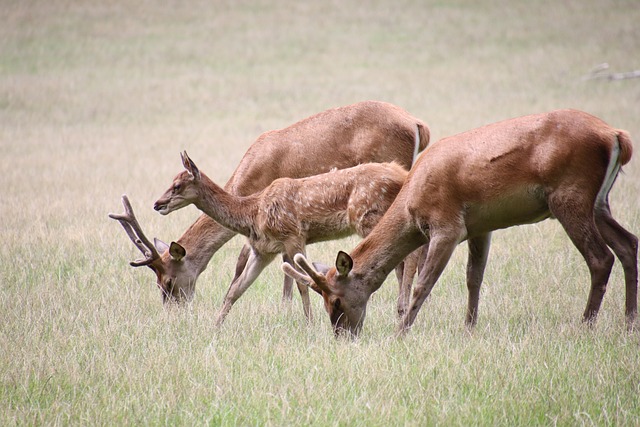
(558,165)
(369,131)
(288,214)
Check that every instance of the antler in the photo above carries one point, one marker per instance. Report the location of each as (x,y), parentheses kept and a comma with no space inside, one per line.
(299,277)
(132,228)
(319,281)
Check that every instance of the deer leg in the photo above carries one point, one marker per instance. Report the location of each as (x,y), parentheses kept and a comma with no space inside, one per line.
(476,263)
(625,246)
(241,263)
(439,252)
(302,288)
(254,266)
(287,287)
(399,270)
(407,272)
(578,221)
(416,260)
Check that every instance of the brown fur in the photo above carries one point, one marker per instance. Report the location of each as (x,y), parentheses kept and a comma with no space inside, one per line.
(463,187)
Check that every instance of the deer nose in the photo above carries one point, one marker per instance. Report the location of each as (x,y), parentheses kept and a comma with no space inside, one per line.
(159,205)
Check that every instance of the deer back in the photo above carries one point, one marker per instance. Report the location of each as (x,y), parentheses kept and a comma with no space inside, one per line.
(330,205)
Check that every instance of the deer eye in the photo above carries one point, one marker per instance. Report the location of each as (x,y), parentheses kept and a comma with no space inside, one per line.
(176,188)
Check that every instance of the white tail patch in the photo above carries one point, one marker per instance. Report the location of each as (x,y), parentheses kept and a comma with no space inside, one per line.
(416,148)
(612,172)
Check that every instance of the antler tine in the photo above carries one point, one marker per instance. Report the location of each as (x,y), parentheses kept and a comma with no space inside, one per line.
(134,231)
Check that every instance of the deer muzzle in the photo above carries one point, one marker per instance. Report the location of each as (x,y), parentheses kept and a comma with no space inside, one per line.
(161,206)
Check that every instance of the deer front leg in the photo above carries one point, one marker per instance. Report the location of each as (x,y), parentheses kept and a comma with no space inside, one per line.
(254,266)
(439,252)
(408,268)
(412,265)
(404,288)
(476,263)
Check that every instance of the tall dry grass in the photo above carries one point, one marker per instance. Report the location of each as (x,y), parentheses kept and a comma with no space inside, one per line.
(98,98)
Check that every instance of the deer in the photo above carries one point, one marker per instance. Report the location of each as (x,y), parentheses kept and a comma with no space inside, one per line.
(560,165)
(338,138)
(288,214)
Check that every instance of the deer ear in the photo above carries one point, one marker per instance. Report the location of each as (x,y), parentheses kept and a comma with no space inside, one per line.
(344,263)
(185,159)
(176,251)
(161,246)
(189,165)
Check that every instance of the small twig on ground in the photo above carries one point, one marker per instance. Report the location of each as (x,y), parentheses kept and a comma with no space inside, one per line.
(600,72)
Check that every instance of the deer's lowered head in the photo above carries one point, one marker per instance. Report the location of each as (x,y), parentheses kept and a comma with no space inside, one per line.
(174,276)
(346,305)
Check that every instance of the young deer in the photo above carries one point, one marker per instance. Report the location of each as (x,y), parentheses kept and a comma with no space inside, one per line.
(557,165)
(369,131)
(289,213)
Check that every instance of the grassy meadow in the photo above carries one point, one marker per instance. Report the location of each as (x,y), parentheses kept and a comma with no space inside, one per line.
(98,98)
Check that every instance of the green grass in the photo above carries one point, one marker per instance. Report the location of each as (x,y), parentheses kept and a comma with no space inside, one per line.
(98,98)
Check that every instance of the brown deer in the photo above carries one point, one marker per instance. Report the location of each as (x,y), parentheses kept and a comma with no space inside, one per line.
(369,131)
(558,165)
(288,214)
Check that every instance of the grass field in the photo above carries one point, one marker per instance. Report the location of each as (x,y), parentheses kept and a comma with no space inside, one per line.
(98,98)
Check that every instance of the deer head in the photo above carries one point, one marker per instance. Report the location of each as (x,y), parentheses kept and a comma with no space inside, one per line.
(174,277)
(183,191)
(344,304)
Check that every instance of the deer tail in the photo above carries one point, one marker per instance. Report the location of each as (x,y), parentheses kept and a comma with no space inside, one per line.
(626,148)
(421,140)
(620,155)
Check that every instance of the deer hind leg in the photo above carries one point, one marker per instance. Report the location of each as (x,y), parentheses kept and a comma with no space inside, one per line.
(439,252)
(476,263)
(625,246)
(302,288)
(287,285)
(577,218)
(254,266)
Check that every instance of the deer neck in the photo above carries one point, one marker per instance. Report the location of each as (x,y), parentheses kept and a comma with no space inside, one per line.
(233,212)
(381,251)
(203,239)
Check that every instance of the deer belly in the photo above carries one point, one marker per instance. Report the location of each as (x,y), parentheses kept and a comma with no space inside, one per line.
(267,245)
(524,207)
(328,228)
